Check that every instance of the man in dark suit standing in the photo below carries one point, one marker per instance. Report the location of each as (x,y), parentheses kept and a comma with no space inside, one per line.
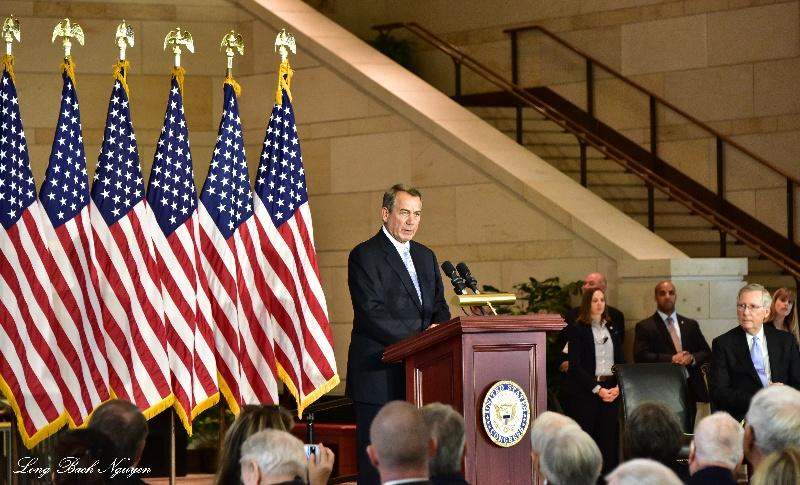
(667,336)
(751,356)
(397,292)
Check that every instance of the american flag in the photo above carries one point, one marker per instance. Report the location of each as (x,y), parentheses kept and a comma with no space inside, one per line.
(126,271)
(65,199)
(303,343)
(187,310)
(245,356)
(30,375)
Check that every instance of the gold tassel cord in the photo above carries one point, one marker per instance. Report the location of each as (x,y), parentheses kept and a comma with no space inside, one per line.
(8,66)
(68,67)
(121,74)
(236,88)
(285,74)
(179,73)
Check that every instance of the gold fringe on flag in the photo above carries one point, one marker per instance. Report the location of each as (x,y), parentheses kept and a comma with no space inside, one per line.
(121,74)
(285,74)
(179,73)
(236,88)
(8,66)
(68,67)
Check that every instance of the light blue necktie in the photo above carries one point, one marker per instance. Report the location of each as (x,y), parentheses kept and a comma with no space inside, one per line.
(758,361)
(411,271)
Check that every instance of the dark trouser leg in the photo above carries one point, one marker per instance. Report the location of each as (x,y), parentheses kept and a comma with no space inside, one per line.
(608,435)
(365,413)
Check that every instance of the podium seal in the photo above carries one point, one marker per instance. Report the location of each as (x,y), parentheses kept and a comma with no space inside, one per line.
(505,413)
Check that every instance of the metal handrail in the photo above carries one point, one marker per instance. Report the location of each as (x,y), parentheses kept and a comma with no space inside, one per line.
(725,224)
(658,98)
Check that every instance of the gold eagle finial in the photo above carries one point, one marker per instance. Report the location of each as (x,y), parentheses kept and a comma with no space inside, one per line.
(67,31)
(177,38)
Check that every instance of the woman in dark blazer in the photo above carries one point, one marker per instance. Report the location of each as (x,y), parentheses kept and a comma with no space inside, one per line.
(594,347)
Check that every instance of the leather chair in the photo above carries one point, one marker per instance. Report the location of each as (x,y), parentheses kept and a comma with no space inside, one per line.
(660,382)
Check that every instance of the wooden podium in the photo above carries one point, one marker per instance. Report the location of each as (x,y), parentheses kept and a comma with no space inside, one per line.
(457,362)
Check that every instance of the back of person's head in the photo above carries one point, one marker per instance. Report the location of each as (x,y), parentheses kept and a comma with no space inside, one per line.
(718,441)
(642,471)
(125,425)
(83,456)
(252,418)
(272,456)
(774,417)
(545,425)
(571,457)
(399,437)
(446,426)
(652,431)
(779,468)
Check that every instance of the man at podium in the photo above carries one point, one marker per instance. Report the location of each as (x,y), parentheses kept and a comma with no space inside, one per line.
(397,292)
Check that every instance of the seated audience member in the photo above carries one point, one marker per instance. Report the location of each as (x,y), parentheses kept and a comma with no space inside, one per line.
(253,418)
(544,427)
(400,444)
(716,450)
(126,426)
(779,468)
(594,347)
(773,423)
(783,312)
(82,457)
(642,471)
(273,457)
(652,431)
(667,336)
(751,356)
(446,427)
(571,457)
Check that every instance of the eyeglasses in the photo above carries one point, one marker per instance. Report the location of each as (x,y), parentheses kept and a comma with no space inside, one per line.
(744,306)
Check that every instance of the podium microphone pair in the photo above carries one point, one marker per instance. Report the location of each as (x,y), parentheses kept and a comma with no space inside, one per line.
(460,277)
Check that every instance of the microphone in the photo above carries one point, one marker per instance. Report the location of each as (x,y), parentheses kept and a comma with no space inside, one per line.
(459,285)
(468,278)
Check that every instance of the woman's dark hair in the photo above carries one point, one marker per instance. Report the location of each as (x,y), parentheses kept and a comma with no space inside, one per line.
(75,453)
(585,316)
(251,419)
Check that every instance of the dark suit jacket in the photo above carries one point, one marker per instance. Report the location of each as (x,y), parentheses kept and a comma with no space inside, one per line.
(734,381)
(386,310)
(617,320)
(581,374)
(448,480)
(713,475)
(652,343)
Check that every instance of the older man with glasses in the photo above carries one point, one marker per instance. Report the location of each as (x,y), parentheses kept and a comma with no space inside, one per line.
(751,356)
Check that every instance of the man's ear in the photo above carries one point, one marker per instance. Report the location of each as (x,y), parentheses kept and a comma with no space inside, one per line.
(251,473)
(749,440)
(373,456)
(432,447)
(384,214)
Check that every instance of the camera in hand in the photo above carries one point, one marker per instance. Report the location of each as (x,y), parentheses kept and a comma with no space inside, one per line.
(310,450)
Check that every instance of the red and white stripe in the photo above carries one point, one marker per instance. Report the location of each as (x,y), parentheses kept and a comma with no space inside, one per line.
(77,309)
(133,314)
(29,367)
(303,342)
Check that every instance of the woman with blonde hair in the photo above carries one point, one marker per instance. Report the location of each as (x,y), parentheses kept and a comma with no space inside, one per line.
(779,468)
(783,312)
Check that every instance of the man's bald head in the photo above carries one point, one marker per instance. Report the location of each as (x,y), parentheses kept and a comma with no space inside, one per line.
(594,281)
(400,439)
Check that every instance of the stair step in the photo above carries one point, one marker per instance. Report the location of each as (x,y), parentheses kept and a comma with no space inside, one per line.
(639,205)
(616,192)
(573,164)
(687,221)
(709,249)
(679,234)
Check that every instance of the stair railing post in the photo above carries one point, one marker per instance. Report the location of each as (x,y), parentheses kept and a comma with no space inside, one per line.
(515,80)
(590,87)
(457,65)
(790,214)
(651,198)
(582,147)
(723,245)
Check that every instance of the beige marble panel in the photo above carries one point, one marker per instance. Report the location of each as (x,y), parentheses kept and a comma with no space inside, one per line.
(332,258)
(713,93)
(324,96)
(750,34)
(713,328)
(317,165)
(781,148)
(514,272)
(434,164)
(487,213)
(620,105)
(337,295)
(775,85)
(603,44)
(370,162)
(723,300)
(695,158)
(771,208)
(341,342)
(20,9)
(664,45)
(341,220)
(741,170)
